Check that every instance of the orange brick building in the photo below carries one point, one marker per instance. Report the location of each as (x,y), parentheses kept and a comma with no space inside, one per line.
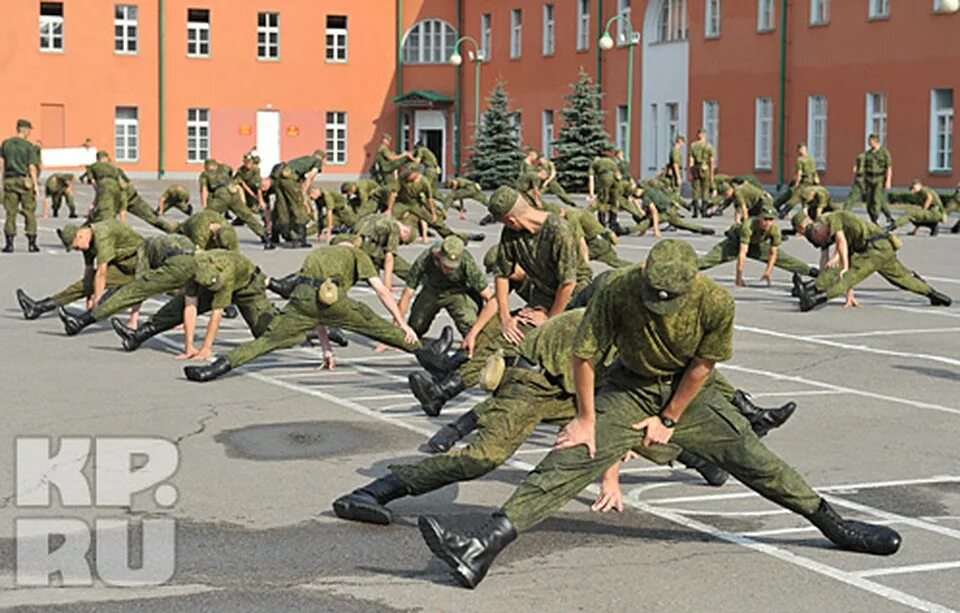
(288,76)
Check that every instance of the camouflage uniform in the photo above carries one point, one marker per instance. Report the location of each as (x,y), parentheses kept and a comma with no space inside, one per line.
(818,201)
(413,200)
(674,159)
(197,229)
(459,292)
(465,189)
(113,244)
(667,210)
(384,169)
(56,189)
(875,166)
(606,176)
(225,195)
(554,187)
(110,199)
(748,197)
(431,168)
(703,155)
(919,216)
(809,177)
(176,197)
(137,206)
(380,235)
(856,188)
(759,243)
(18,190)
(600,241)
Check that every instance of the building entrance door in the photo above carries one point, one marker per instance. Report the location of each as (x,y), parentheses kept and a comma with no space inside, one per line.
(268,139)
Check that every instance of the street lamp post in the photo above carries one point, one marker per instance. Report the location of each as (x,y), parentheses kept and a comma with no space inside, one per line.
(606,43)
(456,59)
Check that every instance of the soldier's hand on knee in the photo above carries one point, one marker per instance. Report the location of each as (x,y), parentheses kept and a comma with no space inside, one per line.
(656,432)
(511,332)
(578,432)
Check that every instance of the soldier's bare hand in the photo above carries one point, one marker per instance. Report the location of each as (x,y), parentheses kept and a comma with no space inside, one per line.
(469,342)
(766,280)
(408,334)
(511,332)
(578,432)
(531,316)
(186,355)
(203,354)
(610,498)
(329,362)
(739,282)
(656,432)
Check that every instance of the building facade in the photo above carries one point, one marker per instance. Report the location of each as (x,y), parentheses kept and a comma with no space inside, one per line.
(288,76)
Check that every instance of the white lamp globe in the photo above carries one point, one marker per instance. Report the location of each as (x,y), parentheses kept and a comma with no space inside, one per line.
(456,59)
(949,6)
(606,42)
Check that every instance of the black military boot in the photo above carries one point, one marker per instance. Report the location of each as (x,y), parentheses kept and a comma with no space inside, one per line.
(956,228)
(705,209)
(335,335)
(934,228)
(695,207)
(797,285)
(762,421)
(283,286)
(814,272)
(432,394)
(56,211)
(189,211)
(132,339)
(8,248)
(231,312)
(73,324)
(811,299)
(439,345)
(439,365)
(267,243)
(854,535)
(711,473)
(31,308)
(487,219)
(208,372)
(367,504)
(447,436)
(303,243)
(938,299)
(468,555)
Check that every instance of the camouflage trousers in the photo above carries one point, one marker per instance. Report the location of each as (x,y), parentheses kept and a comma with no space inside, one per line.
(670,217)
(876,198)
(305,312)
(137,206)
(461,194)
(854,197)
(108,201)
(289,207)
(462,307)
(554,188)
(489,341)
(602,250)
(19,198)
(728,249)
(224,200)
(57,198)
(608,193)
(919,216)
(711,428)
(175,273)
(702,186)
(116,277)
(879,257)
(407,212)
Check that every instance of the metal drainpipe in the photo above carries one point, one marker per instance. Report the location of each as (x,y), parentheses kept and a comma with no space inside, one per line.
(599,54)
(458,114)
(399,67)
(162,91)
(782,114)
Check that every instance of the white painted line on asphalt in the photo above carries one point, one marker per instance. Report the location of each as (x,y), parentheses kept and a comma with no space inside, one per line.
(801,393)
(930,311)
(839,388)
(902,570)
(944,279)
(779,531)
(882,333)
(903,519)
(379,397)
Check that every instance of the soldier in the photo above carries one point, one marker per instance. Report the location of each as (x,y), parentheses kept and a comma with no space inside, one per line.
(249,179)
(461,189)
(137,206)
(603,187)
(757,238)
(380,237)
(423,156)
(701,162)
(110,201)
(21,188)
(953,204)
(817,201)
(363,196)
(804,176)
(386,163)
(930,212)
(59,187)
(862,248)
(670,326)
(856,188)
(176,197)
(209,229)
(320,298)
(414,198)
(547,171)
(650,206)
(219,192)
(747,198)
(332,211)
(877,179)
(451,281)
(111,255)
(674,169)
(596,242)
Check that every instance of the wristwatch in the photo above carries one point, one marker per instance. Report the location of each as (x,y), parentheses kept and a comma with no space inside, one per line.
(666,421)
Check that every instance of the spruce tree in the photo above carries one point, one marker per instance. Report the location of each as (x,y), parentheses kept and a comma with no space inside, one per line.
(582,137)
(496,155)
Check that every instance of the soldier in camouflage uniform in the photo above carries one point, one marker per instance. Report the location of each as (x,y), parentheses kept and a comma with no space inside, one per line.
(597,242)
(856,188)
(670,327)
(111,255)
(363,196)
(603,186)
(424,157)
(930,213)
(549,184)
(175,197)
(673,172)
(817,201)
(138,207)
(747,199)
(415,199)
(877,179)
(20,164)
(209,230)
(805,175)
(461,189)
(386,163)
(951,205)
(701,162)
(249,179)
(219,192)
(59,187)
(110,201)
(650,206)
(320,299)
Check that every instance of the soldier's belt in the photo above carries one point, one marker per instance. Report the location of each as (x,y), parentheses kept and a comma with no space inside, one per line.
(13,175)
(175,252)
(315,283)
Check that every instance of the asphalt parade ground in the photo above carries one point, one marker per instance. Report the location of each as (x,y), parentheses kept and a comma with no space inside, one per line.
(265,450)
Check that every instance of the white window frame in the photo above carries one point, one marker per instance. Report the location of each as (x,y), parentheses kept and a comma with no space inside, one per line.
(711,123)
(712,19)
(486,37)
(516,120)
(879,9)
(763,134)
(198,128)
(429,41)
(583,25)
(126,132)
(336,138)
(672,22)
(654,156)
(624,9)
(941,128)
(876,114)
(516,34)
(547,135)
(621,127)
(337,42)
(52,30)
(126,29)
(766,15)
(549,29)
(270,32)
(197,31)
(818,129)
(819,12)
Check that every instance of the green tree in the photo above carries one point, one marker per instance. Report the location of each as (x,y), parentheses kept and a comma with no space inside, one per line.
(582,137)
(496,156)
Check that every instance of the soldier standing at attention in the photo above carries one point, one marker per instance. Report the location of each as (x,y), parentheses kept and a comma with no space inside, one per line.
(702,168)
(21,188)
(674,170)
(59,187)
(804,176)
(877,179)
(175,197)
(930,212)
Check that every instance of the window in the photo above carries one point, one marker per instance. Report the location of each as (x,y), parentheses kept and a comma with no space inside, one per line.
(516,121)
(198,135)
(429,42)
(654,136)
(711,123)
(336,38)
(486,40)
(51,26)
(198,33)
(766,14)
(879,9)
(819,12)
(127,134)
(336,137)
(941,130)
(547,144)
(549,30)
(712,28)
(622,128)
(763,137)
(583,25)
(268,36)
(817,129)
(876,117)
(125,28)
(516,33)
(623,9)
(672,23)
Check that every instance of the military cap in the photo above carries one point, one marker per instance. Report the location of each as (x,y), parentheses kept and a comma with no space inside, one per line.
(209,162)
(407,172)
(668,276)
(102,154)
(874,136)
(798,219)
(502,201)
(915,182)
(723,186)
(24,124)
(768,212)
(451,251)
(346,186)
(807,192)
(319,153)
(227,238)
(67,234)
(801,145)
(210,272)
